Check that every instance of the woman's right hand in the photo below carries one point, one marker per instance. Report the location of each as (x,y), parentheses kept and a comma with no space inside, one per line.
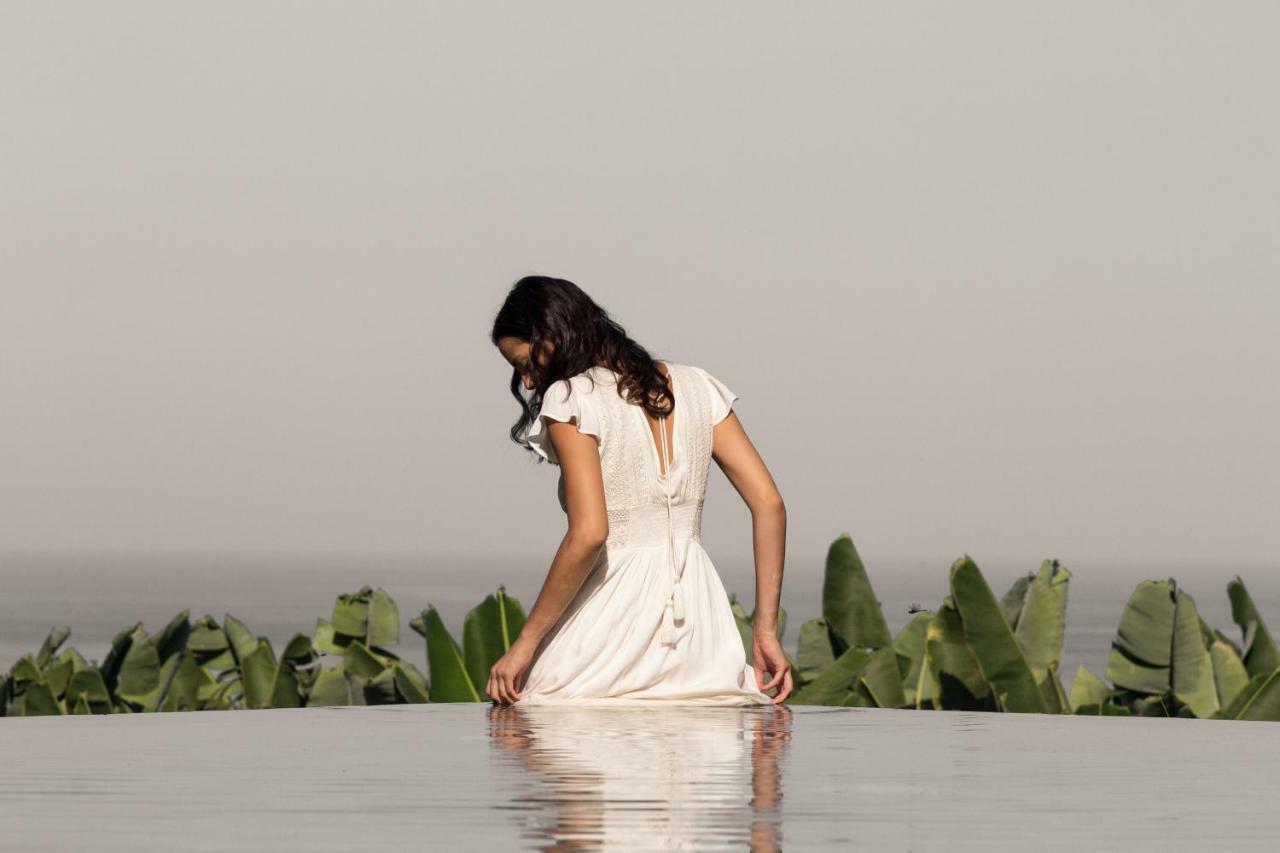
(769,658)
(507,675)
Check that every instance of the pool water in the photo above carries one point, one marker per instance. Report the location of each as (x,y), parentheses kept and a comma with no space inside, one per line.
(482,777)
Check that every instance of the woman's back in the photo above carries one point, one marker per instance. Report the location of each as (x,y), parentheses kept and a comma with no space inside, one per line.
(652,620)
(630,459)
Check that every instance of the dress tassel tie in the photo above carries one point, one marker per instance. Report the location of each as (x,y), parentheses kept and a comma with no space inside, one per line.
(673,611)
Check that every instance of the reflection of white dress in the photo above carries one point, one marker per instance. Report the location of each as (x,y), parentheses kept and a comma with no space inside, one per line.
(679,778)
(652,620)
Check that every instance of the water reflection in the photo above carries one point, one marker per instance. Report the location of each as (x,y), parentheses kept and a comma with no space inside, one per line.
(680,777)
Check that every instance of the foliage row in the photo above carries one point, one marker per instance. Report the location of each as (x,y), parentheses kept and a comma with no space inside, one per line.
(975,652)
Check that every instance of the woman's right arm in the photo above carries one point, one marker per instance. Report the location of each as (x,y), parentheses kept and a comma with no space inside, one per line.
(578,553)
(588,528)
(737,457)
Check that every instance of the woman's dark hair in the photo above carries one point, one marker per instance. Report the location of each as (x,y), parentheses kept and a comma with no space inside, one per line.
(544,310)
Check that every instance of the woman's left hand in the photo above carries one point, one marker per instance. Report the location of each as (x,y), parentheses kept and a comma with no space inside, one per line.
(506,677)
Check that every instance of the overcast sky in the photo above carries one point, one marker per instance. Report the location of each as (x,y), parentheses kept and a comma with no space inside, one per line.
(989,278)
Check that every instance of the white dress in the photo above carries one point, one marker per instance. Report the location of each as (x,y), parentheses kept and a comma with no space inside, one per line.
(652,621)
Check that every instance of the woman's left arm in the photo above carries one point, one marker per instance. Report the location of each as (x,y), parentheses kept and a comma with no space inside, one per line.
(579,458)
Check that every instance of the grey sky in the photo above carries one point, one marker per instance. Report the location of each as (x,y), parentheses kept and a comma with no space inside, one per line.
(996,278)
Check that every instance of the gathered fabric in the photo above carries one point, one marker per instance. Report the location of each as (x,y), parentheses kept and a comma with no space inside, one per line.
(652,621)
(674,610)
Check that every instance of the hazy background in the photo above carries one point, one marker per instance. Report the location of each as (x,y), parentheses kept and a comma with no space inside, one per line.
(996,278)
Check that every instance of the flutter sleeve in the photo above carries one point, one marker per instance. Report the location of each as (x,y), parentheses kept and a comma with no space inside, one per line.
(568,402)
(721,397)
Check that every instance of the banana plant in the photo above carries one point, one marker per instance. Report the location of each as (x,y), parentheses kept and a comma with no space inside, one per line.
(356,668)
(1036,610)
(1166,661)
(368,615)
(950,677)
(52,682)
(852,612)
(999,655)
(848,657)
(852,618)
(459,672)
(950,658)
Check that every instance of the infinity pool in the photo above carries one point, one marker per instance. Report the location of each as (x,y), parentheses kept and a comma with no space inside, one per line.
(478,777)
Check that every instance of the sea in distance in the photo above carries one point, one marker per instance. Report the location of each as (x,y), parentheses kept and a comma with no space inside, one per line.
(97,593)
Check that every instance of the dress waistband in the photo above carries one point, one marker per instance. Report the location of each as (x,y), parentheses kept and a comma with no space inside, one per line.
(647,526)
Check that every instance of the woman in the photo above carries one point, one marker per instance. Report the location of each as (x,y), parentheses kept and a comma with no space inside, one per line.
(632,608)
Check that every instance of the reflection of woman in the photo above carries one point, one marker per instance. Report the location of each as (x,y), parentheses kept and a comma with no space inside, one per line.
(687,778)
(632,608)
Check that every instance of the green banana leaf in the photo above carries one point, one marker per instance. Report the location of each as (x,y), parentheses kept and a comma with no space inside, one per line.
(240,639)
(1152,706)
(960,684)
(813,650)
(58,674)
(327,641)
(334,687)
(449,679)
(909,646)
(184,691)
(77,659)
(381,689)
(1259,700)
(882,677)
(87,684)
(1229,673)
(1259,649)
(351,613)
(1103,709)
(39,701)
(173,638)
(268,683)
(410,683)
(384,620)
(139,674)
(207,637)
(993,642)
(52,642)
(299,650)
(363,662)
(1011,603)
(1192,666)
(927,692)
(26,669)
(114,660)
(1042,620)
(1087,689)
(834,682)
(1055,698)
(221,695)
(488,632)
(1142,652)
(154,700)
(849,604)
(858,697)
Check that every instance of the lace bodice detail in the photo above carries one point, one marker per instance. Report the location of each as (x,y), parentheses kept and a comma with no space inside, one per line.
(634,497)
